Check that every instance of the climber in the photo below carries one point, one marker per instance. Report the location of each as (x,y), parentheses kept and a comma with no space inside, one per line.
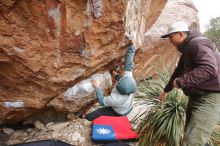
(120,101)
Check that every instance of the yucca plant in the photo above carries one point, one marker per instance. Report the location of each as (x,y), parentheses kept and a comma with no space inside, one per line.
(214,140)
(159,123)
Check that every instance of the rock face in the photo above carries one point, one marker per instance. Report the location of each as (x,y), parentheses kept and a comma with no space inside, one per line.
(154,51)
(159,52)
(48,46)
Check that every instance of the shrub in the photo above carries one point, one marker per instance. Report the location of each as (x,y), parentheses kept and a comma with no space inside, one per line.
(159,123)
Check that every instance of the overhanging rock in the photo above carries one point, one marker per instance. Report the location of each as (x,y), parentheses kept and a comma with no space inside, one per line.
(49,46)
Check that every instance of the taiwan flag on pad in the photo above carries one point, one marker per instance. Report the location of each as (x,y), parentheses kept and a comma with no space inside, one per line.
(107,128)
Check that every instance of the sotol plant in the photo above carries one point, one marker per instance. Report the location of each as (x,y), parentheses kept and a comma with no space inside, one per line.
(159,123)
(215,137)
(162,123)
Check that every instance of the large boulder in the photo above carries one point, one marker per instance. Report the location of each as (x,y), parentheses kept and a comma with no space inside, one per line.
(46,47)
(160,52)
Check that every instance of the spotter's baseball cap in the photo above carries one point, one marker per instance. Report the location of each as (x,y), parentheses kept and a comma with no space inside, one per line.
(176,27)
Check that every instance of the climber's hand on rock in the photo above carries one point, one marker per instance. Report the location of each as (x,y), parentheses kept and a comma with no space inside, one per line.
(131,42)
(131,37)
(95,83)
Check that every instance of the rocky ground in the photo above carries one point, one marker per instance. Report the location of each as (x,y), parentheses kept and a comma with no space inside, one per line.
(75,131)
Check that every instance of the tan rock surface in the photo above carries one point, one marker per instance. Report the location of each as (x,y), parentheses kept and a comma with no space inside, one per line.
(48,46)
(160,52)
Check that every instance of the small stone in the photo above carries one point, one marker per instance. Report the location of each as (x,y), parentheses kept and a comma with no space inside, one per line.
(49,124)
(76,136)
(8,131)
(55,134)
(57,127)
(71,116)
(40,125)
(29,130)
(20,134)
(81,139)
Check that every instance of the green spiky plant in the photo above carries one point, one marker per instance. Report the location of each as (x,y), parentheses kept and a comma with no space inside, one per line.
(214,140)
(159,123)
